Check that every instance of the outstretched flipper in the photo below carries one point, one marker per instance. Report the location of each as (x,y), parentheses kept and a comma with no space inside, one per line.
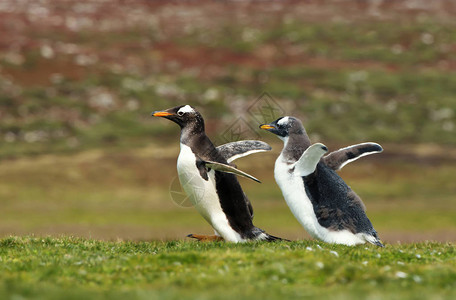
(309,159)
(336,160)
(235,150)
(228,169)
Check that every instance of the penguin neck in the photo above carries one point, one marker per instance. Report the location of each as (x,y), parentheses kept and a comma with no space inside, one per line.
(191,130)
(294,146)
(195,137)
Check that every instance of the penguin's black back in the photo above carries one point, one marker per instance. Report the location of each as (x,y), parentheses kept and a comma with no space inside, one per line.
(336,206)
(232,198)
(234,204)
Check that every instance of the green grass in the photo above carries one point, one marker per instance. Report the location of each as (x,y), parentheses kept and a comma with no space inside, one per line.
(51,268)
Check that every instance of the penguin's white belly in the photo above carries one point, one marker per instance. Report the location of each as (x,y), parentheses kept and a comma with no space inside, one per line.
(293,191)
(203,194)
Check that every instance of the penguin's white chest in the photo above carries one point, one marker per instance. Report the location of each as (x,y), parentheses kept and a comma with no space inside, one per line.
(295,195)
(202,194)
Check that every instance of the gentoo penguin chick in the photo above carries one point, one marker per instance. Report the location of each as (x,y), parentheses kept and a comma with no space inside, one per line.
(209,180)
(321,201)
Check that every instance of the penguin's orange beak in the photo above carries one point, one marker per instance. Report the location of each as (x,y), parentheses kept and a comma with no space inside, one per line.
(266,126)
(161,114)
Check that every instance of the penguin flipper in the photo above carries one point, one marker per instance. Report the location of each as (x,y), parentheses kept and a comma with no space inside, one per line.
(228,169)
(234,150)
(336,160)
(308,161)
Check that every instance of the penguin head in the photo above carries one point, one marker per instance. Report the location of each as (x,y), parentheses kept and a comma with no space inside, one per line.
(284,127)
(184,115)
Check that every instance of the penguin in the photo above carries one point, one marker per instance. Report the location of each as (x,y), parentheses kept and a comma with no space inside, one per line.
(207,176)
(317,196)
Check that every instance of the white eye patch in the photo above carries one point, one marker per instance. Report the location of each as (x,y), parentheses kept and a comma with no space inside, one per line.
(283,121)
(185,109)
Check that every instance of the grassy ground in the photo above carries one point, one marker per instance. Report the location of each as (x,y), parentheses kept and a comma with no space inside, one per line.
(50,268)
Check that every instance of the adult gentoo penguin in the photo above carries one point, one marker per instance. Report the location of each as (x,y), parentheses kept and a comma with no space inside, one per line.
(321,201)
(209,180)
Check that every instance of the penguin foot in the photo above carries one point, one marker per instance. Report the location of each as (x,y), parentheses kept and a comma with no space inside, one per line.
(206,238)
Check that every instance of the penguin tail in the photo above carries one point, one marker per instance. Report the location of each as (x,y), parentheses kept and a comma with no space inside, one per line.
(374,240)
(378,243)
(271,238)
(261,235)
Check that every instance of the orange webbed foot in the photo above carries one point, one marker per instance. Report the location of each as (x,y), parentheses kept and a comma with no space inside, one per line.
(206,238)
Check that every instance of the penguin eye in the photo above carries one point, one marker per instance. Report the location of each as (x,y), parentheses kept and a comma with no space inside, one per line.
(180,113)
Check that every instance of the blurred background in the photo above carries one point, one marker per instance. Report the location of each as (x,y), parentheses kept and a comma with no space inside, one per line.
(80,154)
